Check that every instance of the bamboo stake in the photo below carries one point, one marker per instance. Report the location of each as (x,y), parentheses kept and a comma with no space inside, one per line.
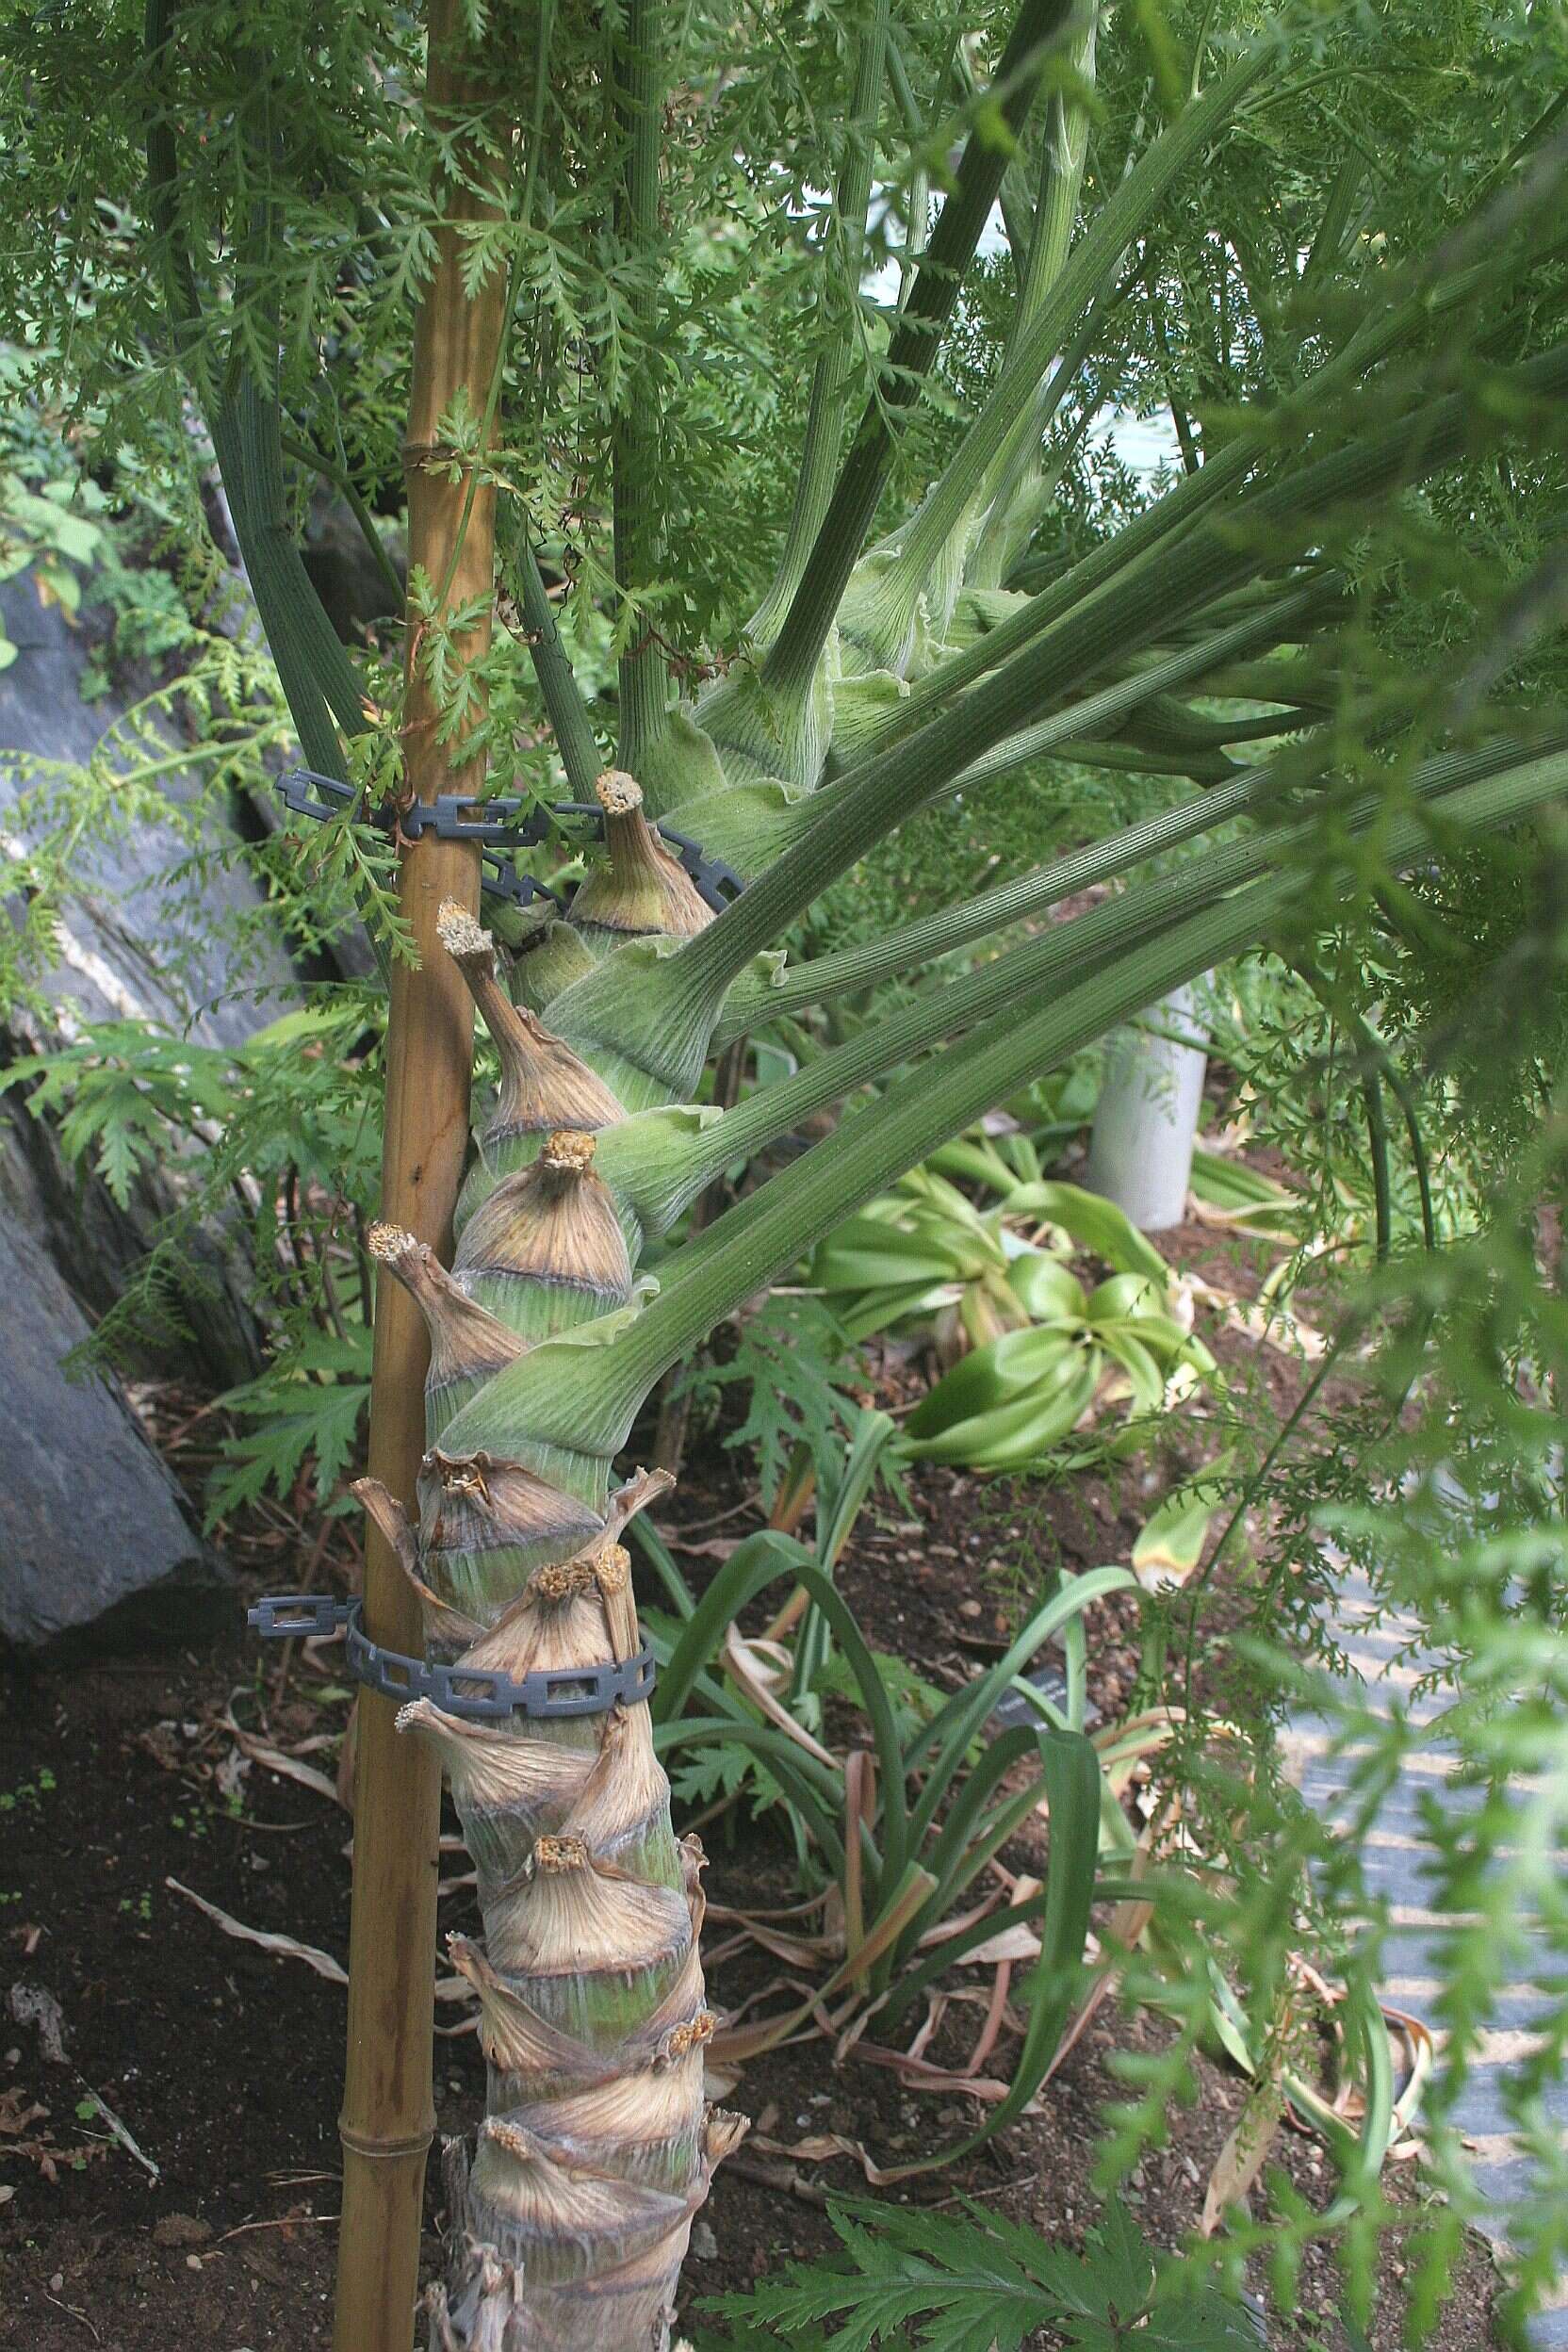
(388,2119)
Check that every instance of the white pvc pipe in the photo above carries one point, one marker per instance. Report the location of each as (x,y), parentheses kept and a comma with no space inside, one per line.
(1145,1123)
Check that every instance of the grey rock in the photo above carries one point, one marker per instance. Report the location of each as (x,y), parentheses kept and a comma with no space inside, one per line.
(138,938)
(95,1544)
(92,1528)
(95,1244)
(143,934)
(352,585)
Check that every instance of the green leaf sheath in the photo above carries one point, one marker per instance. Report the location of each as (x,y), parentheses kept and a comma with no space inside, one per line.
(819,455)
(582,1397)
(793,659)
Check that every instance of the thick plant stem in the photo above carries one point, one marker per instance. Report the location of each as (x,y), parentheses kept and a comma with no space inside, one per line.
(638,92)
(824,422)
(570,2225)
(387,2118)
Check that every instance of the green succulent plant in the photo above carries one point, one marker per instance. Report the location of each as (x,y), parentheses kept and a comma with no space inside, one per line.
(1029,1345)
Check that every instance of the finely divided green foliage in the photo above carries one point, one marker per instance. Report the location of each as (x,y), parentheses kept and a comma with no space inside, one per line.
(76,544)
(1440,1477)
(983,2283)
(279,1132)
(303,1413)
(797,1364)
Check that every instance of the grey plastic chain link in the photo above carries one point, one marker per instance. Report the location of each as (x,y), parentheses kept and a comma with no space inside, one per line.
(458,817)
(482,1696)
(473,1692)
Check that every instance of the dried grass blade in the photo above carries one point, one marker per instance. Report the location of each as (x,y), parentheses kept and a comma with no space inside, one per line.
(275,1760)
(756,1682)
(1244,2154)
(285,1947)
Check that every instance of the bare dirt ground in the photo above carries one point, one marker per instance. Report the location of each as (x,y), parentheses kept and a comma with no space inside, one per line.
(221,2061)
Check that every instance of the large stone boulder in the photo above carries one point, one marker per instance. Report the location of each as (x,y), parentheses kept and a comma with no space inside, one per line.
(130,942)
(94,1531)
(145,933)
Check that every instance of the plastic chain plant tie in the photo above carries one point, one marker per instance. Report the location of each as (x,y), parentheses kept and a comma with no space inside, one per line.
(466,1690)
(461,817)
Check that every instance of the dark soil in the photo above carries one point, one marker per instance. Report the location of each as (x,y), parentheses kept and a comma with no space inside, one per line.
(222,2062)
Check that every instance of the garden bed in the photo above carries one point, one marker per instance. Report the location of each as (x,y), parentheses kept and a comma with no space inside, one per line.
(223,2061)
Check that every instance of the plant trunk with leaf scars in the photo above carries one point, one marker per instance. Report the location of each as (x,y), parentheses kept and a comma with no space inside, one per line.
(598,2144)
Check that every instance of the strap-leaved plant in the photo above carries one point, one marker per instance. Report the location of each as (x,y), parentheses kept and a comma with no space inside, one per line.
(558,209)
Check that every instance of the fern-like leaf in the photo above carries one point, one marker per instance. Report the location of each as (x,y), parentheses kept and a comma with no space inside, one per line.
(983,2283)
